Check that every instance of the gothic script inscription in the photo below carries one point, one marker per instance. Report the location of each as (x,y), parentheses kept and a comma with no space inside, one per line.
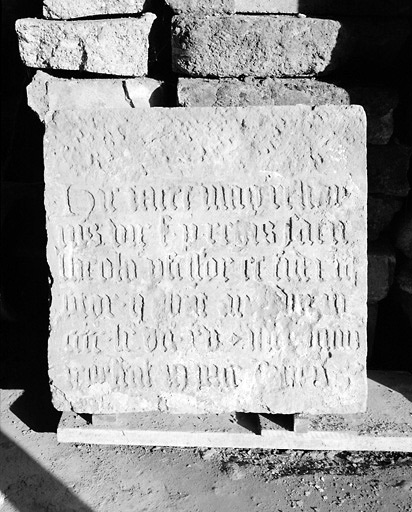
(207,260)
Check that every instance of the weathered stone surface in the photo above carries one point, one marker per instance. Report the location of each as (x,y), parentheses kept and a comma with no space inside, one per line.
(381,211)
(313,7)
(117,46)
(47,93)
(378,102)
(381,268)
(66,9)
(388,170)
(232,92)
(207,259)
(261,46)
(404,234)
(281,46)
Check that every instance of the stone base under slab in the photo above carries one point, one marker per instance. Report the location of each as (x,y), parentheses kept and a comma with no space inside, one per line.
(386,426)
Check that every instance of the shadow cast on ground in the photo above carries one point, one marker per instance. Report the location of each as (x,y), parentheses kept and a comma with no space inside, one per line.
(29,487)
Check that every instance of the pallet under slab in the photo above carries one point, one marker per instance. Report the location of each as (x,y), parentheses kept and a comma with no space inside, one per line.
(385,426)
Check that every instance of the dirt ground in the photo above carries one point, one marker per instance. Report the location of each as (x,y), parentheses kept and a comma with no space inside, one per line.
(40,475)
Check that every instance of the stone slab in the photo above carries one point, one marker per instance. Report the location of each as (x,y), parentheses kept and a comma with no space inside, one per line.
(207,260)
(379,102)
(46,93)
(386,426)
(67,9)
(282,46)
(117,46)
(310,7)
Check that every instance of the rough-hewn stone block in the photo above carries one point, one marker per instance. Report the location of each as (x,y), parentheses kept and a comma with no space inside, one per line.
(281,46)
(47,93)
(312,7)
(404,234)
(381,211)
(207,259)
(381,268)
(404,278)
(116,46)
(388,169)
(66,9)
(232,92)
(379,102)
(226,46)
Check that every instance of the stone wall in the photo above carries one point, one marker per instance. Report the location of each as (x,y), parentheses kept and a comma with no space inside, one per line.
(238,53)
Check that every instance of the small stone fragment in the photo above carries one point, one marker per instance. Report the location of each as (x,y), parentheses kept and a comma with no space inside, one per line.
(117,46)
(381,267)
(47,93)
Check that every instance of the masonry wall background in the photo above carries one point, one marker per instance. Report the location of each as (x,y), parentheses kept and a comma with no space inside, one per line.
(372,74)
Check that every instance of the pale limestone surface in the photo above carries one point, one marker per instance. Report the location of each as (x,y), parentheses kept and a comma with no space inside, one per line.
(378,102)
(66,9)
(46,93)
(314,7)
(117,46)
(207,259)
(283,46)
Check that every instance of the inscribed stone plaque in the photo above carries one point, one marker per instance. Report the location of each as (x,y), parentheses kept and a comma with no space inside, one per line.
(208,259)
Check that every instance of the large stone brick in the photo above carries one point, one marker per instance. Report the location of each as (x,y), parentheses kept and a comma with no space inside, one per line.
(46,93)
(281,46)
(404,234)
(381,268)
(116,46)
(66,9)
(207,259)
(388,169)
(378,102)
(232,92)
(312,7)
(404,277)
(381,211)
(256,45)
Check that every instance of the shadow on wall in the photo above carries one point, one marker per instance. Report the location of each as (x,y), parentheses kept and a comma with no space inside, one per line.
(24,272)
(29,487)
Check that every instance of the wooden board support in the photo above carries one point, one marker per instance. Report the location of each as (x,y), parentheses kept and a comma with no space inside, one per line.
(385,426)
